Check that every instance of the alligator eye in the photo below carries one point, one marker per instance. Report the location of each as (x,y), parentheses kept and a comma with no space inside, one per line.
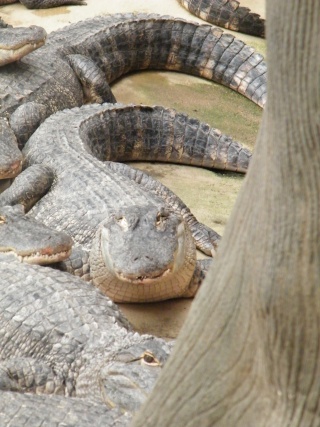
(122,221)
(149,359)
(161,217)
(2,219)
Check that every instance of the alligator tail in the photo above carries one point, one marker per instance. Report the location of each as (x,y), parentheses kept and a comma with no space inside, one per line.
(227,14)
(163,135)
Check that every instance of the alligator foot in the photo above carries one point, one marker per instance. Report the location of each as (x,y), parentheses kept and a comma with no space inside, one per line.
(76,264)
(28,187)
(10,155)
(207,240)
(25,374)
(26,119)
(92,79)
(200,271)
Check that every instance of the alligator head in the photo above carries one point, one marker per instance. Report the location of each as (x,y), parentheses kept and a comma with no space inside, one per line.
(124,379)
(142,253)
(30,241)
(18,42)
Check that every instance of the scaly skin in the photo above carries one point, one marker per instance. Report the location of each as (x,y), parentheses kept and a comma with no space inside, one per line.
(117,45)
(25,410)
(227,14)
(19,41)
(138,233)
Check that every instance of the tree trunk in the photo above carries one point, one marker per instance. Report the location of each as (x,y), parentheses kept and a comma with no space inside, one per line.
(249,352)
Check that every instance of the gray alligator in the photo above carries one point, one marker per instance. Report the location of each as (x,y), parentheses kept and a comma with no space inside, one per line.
(227,14)
(139,235)
(43,4)
(74,64)
(59,335)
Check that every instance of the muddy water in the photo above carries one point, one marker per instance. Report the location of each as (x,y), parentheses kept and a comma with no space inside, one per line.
(210,195)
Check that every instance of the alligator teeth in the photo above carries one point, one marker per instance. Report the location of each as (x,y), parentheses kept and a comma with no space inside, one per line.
(143,279)
(38,258)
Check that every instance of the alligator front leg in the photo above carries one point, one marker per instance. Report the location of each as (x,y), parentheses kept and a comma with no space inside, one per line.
(24,374)
(26,119)
(10,155)
(93,80)
(76,264)
(206,239)
(32,184)
(200,271)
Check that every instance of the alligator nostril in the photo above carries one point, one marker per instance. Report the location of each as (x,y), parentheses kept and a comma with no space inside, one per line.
(137,258)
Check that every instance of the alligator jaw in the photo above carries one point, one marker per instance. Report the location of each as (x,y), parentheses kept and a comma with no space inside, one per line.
(30,241)
(18,42)
(143,280)
(12,55)
(37,257)
(40,258)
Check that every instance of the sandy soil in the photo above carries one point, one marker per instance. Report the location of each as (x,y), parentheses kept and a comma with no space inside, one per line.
(52,19)
(210,195)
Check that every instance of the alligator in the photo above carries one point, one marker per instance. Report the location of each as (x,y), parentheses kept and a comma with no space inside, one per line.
(14,44)
(19,41)
(43,4)
(134,238)
(227,14)
(74,64)
(60,335)
(29,241)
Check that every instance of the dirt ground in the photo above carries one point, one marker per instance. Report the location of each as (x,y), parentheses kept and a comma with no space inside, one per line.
(210,195)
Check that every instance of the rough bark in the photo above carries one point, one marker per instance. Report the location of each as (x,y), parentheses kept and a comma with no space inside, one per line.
(249,352)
